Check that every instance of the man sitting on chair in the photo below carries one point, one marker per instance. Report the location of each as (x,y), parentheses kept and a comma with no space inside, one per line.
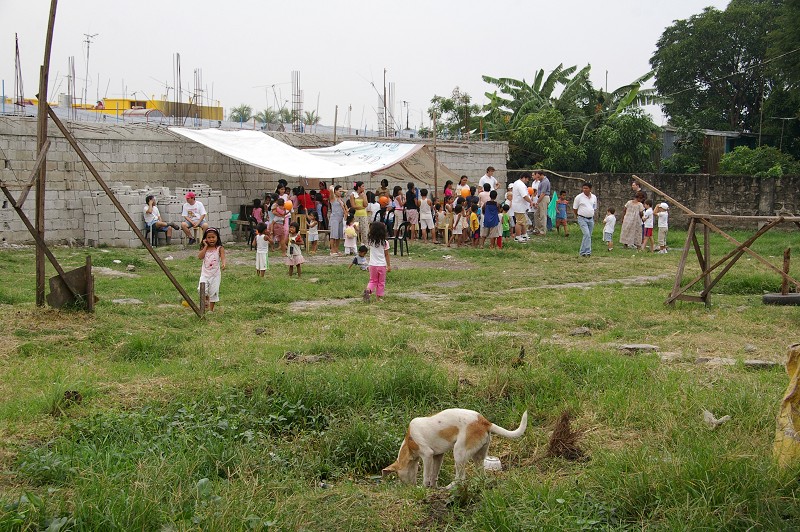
(194,215)
(152,218)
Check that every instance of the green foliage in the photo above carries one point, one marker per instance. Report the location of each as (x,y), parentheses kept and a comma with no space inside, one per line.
(688,154)
(764,161)
(542,139)
(311,118)
(628,143)
(554,129)
(242,113)
(456,115)
(734,70)
(784,40)
(267,116)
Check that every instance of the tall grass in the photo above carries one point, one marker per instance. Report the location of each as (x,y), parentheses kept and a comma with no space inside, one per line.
(207,424)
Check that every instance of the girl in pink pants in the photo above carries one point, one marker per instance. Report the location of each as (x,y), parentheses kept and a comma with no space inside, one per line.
(378,245)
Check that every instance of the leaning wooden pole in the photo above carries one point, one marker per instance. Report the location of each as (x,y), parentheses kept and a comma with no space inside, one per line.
(122,211)
(41,139)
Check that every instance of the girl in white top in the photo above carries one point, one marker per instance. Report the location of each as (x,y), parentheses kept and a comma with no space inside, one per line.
(426,216)
(262,249)
(213,256)
(379,265)
(312,231)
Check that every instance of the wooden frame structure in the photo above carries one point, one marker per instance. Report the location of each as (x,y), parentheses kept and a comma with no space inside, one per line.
(38,177)
(705,221)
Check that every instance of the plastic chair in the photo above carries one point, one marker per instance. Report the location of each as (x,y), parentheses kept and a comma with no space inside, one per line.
(401,238)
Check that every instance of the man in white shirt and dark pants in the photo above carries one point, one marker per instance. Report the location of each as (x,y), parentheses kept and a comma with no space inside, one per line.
(584,206)
(542,203)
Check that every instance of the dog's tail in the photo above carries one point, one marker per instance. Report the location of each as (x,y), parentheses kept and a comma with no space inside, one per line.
(500,431)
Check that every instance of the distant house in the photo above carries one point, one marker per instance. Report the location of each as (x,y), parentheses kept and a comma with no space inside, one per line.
(715,145)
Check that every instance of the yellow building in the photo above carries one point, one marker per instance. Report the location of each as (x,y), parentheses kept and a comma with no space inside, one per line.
(117,106)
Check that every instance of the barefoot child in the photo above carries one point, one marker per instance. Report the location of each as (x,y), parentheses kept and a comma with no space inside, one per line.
(294,255)
(379,265)
(262,249)
(213,256)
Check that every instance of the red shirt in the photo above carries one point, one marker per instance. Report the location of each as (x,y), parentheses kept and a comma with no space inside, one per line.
(306,201)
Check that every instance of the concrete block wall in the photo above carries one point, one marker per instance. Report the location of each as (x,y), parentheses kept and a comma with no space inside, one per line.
(147,156)
(103,224)
(703,194)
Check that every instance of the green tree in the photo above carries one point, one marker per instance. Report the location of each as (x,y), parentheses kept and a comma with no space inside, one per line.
(455,115)
(310,118)
(688,155)
(784,41)
(628,142)
(764,161)
(242,113)
(542,139)
(710,65)
(267,116)
(285,115)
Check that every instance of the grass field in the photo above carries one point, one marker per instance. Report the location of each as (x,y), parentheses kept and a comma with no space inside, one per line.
(185,424)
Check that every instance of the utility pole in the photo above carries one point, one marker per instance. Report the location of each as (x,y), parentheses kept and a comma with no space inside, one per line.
(335,119)
(88,42)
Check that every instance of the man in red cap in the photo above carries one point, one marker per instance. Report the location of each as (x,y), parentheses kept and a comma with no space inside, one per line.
(194,215)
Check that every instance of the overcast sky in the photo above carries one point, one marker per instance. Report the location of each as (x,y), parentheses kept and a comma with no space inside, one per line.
(247,49)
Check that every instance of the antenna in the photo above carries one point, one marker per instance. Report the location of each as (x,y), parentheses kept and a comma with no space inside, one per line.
(88,42)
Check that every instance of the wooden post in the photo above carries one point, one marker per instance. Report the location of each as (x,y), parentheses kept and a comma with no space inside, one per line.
(89,285)
(39,242)
(707,261)
(785,283)
(202,299)
(335,119)
(115,201)
(435,161)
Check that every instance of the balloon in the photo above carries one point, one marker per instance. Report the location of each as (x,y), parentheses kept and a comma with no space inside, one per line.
(287,205)
(530,191)
(384,201)
(464,192)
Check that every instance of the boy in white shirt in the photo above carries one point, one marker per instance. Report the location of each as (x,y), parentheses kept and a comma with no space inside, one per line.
(662,212)
(647,219)
(609,222)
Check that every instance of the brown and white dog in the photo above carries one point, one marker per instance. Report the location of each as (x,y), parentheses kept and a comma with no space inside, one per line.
(428,438)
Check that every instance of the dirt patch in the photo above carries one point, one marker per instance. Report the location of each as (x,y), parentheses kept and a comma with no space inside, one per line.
(300,306)
(108,272)
(630,281)
(291,356)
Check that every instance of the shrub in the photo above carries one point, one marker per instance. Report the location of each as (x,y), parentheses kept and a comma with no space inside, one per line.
(764,161)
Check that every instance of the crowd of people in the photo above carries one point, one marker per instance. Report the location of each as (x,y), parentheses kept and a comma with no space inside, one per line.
(362,222)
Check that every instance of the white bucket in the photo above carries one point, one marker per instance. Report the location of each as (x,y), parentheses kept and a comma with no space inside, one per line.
(492,463)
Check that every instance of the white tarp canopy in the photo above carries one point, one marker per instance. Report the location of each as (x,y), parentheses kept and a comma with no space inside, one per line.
(399,160)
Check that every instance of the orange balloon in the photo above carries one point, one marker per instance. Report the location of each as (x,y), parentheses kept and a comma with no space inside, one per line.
(530,191)
(384,201)
(287,205)
(464,192)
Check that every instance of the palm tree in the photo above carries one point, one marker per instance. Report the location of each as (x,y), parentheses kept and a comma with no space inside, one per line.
(242,113)
(608,105)
(268,116)
(285,115)
(311,118)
